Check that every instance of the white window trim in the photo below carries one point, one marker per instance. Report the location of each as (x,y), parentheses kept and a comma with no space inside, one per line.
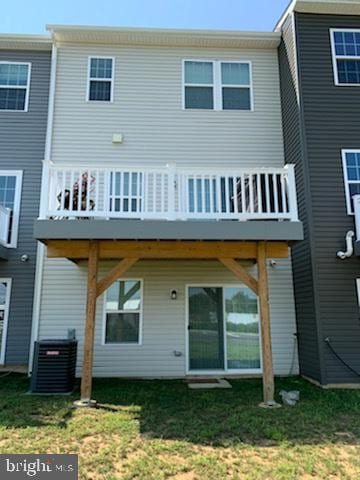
(344,152)
(227,370)
(217,85)
(111,80)
(17,201)
(124,344)
(358,290)
(8,282)
(17,87)
(336,57)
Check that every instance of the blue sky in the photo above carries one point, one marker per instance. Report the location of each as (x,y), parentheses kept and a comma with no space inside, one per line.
(31,16)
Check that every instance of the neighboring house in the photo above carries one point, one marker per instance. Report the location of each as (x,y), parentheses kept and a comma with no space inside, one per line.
(320,88)
(24,91)
(167,151)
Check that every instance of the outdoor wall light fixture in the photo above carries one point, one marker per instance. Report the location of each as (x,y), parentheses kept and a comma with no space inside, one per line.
(24,258)
(173,294)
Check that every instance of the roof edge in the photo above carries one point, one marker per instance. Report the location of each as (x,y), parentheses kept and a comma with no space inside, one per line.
(25,41)
(330,7)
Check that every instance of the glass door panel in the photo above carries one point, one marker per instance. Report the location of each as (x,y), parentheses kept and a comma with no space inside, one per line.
(242,329)
(4,295)
(206,328)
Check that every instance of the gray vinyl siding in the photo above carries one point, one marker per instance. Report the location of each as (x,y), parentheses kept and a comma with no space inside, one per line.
(147,110)
(301,253)
(163,319)
(22,141)
(332,123)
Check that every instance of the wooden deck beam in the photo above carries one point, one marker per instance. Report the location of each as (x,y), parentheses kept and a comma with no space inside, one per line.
(114,274)
(164,249)
(240,272)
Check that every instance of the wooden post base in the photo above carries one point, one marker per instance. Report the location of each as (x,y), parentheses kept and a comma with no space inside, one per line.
(85,403)
(271,405)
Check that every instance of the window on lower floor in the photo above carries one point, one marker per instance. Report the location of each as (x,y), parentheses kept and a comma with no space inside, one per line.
(14,86)
(10,193)
(345,46)
(123,315)
(351,166)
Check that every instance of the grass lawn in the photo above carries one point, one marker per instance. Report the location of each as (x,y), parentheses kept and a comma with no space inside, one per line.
(153,430)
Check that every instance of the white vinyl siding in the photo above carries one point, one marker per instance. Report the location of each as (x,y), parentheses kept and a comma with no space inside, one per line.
(147,111)
(63,302)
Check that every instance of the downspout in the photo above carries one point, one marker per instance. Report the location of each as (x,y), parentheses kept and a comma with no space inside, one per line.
(40,256)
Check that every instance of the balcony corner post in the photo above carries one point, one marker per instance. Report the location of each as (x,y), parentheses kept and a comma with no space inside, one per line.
(293,208)
(171,169)
(45,189)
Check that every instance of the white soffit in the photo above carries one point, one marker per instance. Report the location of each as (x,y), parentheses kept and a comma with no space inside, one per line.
(163,37)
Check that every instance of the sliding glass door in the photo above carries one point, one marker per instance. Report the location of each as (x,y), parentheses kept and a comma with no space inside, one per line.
(223,327)
(206,333)
(5,285)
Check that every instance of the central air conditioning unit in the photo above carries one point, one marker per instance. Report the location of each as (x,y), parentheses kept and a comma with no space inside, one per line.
(54,367)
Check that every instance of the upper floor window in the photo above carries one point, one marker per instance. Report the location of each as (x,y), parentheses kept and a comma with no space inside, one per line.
(14,86)
(215,85)
(351,165)
(345,46)
(100,81)
(10,194)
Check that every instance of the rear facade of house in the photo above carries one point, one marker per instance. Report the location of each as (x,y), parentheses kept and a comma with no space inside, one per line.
(24,91)
(174,138)
(320,80)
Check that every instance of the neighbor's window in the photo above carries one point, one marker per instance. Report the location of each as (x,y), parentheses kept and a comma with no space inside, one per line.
(346,56)
(10,193)
(123,312)
(215,85)
(351,164)
(14,86)
(100,84)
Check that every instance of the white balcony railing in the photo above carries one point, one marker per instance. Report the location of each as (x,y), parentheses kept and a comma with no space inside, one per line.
(5,219)
(170,193)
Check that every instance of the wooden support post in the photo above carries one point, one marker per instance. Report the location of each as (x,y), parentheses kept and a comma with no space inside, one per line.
(86,380)
(268,375)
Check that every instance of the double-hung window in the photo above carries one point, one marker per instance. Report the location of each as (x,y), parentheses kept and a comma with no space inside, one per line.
(123,312)
(100,79)
(14,86)
(351,165)
(10,194)
(345,45)
(217,85)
